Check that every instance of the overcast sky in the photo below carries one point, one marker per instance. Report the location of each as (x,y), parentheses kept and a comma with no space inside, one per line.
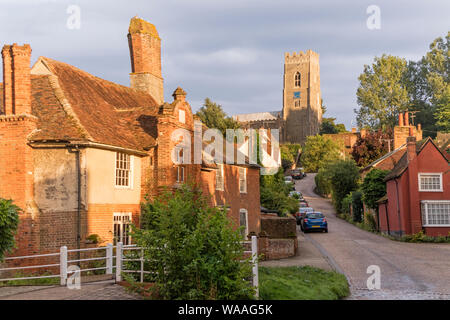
(231,50)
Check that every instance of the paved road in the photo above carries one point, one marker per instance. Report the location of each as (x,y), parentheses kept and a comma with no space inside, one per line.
(408,270)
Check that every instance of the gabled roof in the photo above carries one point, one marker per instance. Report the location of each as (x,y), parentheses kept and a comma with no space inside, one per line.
(402,164)
(73,105)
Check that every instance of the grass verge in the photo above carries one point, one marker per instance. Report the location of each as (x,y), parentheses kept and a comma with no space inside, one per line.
(301,283)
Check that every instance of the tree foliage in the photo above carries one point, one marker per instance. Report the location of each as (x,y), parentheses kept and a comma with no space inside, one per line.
(329,127)
(382,92)
(318,150)
(274,193)
(373,187)
(289,154)
(370,147)
(213,116)
(9,221)
(192,248)
(429,87)
(342,177)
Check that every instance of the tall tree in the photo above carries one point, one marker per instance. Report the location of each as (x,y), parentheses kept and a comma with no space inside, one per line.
(213,116)
(382,92)
(318,150)
(429,87)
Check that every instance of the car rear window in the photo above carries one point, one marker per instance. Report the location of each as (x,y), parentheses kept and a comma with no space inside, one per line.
(315,215)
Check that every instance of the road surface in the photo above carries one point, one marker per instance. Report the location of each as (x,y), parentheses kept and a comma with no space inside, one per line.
(408,270)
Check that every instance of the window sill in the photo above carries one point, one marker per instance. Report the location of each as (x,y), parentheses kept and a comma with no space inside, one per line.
(436,226)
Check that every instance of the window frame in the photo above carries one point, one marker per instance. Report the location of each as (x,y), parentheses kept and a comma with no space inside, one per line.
(424,205)
(121,224)
(131,171)
(181,173)
(298,80)
(182,116)
(422,174)
(245,211)
(245,179)
(221,186)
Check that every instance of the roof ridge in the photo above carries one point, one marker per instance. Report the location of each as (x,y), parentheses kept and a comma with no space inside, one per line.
(50,61)
(67,107)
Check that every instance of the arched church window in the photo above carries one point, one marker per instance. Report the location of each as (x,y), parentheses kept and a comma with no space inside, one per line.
(298,81)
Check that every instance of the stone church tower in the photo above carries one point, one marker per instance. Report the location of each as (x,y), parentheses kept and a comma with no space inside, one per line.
(302,112)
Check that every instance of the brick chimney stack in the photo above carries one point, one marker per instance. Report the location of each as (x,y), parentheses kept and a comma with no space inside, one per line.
(406,119)
(16,79)
(411,148)
(145,54)
(400,120)
(179,94)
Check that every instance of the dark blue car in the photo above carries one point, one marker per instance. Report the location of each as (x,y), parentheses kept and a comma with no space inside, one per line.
(314,221)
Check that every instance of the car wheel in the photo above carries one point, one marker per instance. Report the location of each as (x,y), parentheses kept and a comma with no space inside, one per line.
(326,230)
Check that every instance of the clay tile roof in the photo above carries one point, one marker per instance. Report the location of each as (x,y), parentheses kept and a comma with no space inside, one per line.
(71,104)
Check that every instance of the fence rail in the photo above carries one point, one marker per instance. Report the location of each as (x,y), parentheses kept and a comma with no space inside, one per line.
(109,259)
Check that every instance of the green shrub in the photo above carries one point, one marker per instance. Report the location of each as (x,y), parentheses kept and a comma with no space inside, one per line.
(192,248)
(373,187)
(323,182)
(357,206)
(346,204)
(9,221)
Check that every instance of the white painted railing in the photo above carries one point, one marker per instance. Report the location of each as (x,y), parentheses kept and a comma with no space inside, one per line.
(120,257)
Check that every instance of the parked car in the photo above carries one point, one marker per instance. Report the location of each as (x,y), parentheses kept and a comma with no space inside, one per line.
(288,179)
(296,174)
(301,214)
(314,221)
(303,201)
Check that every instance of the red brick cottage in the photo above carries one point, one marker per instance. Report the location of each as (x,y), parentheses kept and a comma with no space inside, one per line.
(418,192)
(79,153)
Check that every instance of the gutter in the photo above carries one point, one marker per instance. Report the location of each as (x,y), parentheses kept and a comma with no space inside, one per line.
(77,152)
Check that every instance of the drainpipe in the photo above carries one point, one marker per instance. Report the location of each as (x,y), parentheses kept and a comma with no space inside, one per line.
(78,165)
(398,209)
(387,218)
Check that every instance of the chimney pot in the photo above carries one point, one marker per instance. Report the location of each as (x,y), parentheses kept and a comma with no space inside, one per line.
(400,119)
(406,118)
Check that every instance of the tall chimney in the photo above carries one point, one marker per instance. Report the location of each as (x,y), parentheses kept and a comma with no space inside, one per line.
(7,81)
(145,54)
(16,79)
(406,118)
(411,148)
(400,120)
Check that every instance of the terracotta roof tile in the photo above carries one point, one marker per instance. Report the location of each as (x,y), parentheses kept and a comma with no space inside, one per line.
(72,104)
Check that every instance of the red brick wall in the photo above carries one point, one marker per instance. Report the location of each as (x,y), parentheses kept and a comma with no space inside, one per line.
(232,197)
(16,176)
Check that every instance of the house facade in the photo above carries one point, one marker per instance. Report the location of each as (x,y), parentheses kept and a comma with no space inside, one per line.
(418,192)
(79,153)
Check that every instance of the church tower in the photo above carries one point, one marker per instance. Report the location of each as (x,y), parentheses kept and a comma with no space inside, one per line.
(302,112)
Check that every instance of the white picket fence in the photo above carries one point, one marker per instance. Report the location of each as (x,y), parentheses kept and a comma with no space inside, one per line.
(109,259)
